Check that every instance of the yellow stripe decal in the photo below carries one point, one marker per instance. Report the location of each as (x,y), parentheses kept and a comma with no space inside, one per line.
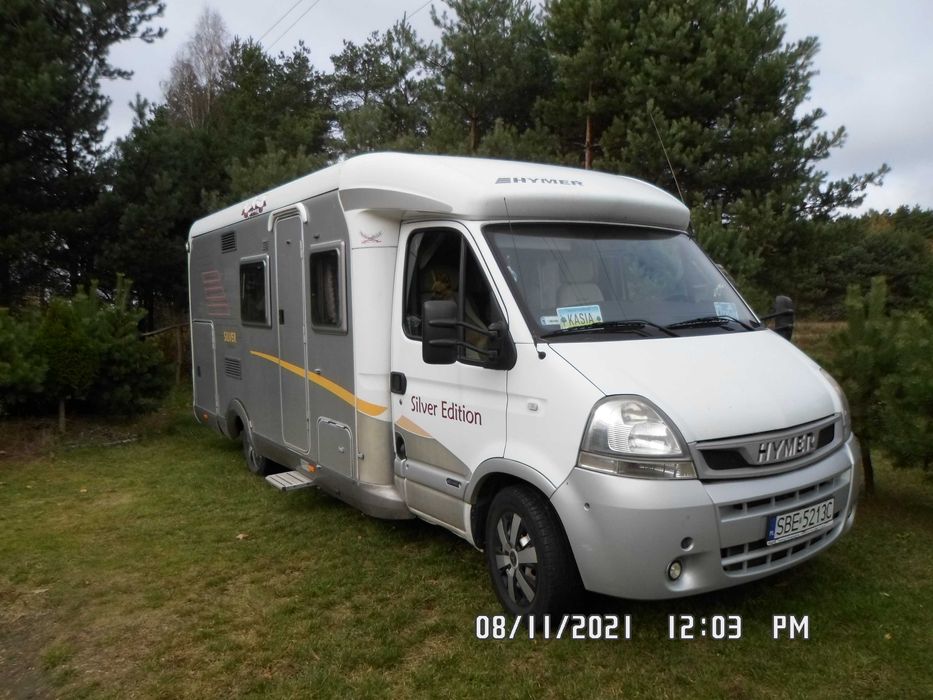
(370,409)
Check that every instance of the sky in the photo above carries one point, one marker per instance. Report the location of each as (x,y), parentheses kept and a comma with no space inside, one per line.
(875,70)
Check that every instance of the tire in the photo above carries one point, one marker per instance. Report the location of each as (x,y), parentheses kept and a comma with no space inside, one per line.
(530,563)
(255,462)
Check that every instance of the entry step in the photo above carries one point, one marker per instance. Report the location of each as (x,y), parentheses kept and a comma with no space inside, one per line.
(289,481)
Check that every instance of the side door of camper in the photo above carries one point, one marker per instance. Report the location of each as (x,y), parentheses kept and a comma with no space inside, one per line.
(447,418)
(291,327)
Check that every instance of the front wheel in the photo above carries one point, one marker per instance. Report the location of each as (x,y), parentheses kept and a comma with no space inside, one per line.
(532,568)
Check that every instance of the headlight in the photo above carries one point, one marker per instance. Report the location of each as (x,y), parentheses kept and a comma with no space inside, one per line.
(628,436)
(846,414)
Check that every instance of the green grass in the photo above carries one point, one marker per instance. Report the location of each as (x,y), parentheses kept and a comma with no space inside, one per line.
(122,575)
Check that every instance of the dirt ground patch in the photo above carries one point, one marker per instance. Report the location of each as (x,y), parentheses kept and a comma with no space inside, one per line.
(23,636)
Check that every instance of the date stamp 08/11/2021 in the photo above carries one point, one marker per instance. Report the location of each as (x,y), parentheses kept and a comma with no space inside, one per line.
(619,627)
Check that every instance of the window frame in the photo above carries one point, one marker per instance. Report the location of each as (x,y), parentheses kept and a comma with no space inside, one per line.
(406,279)
(467,247)
(339,247)
(250,260)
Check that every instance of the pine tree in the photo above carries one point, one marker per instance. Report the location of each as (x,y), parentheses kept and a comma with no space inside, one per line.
(907,394)
(492,64)
(71,349)
(862,359)
(53,117)
(382,92)
(705,97)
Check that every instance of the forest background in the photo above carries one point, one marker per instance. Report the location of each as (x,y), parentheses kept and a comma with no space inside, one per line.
(706,99)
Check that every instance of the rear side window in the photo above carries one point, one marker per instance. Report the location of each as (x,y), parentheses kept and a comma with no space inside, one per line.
(327,291)
(253,293)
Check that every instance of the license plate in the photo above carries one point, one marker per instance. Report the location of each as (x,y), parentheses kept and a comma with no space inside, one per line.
(797,523)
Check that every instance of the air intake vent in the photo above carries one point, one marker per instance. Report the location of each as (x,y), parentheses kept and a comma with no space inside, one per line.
(265,246)
(233,368)
(228,242)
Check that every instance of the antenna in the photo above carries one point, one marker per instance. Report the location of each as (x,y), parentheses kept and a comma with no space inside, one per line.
(667,157)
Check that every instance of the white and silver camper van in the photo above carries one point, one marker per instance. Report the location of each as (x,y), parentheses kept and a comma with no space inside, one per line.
(539,359)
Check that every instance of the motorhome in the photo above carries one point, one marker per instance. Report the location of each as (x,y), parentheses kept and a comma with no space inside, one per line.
(540,359)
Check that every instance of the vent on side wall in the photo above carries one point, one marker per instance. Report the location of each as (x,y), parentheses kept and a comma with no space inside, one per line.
(265,246)
(228,242)
(233,368)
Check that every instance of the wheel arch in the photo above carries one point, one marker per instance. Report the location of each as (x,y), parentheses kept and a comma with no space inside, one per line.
(236,419)
(492,476)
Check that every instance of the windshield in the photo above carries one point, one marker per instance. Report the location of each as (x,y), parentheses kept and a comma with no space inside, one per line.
(580,278)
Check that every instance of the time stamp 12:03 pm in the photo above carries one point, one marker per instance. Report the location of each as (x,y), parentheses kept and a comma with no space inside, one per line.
(679,627)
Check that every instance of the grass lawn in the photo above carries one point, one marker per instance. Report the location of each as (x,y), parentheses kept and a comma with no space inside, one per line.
(162,568)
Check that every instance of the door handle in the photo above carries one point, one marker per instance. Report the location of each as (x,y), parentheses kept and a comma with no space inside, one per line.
(398,383)
(281,317)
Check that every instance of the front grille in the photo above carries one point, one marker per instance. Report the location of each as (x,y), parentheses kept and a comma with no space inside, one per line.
(751,554)
(757,556)
(724,459)
(789,500)
(720,459)
(764,454)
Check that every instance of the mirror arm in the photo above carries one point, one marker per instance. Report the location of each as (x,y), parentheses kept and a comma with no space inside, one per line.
(444,323)
(443,343)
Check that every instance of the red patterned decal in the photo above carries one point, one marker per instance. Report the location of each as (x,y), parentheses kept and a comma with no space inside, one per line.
(215,298)
(254,209)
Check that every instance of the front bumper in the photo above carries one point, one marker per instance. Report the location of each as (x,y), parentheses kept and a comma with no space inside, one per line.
(625,532)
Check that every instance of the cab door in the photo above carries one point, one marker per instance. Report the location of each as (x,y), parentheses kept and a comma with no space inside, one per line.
(447,419)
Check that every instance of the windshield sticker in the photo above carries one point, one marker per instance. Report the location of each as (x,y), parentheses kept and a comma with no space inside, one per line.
(573,316)
(726,308)
(549,320)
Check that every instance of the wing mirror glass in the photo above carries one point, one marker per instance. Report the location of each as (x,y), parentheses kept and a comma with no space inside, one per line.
(439,332)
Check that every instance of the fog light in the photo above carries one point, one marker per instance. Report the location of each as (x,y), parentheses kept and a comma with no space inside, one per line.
(675,570)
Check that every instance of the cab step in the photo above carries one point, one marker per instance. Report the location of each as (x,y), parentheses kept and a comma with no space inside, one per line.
(290,481)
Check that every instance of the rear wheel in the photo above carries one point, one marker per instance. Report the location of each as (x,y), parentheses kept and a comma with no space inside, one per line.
(530,563)
(256,463)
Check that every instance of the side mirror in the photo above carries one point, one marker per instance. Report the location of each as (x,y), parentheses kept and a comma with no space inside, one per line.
(440,338)
(783,315)
(439,332)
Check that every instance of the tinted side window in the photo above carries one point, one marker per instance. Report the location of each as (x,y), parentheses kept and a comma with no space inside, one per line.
(440,266)
(253,293)
(326,302)
(432,272)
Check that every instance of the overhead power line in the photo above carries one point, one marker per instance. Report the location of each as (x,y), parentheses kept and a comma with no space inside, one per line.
(420,9)
(406,16)
(300,17)
(279,20)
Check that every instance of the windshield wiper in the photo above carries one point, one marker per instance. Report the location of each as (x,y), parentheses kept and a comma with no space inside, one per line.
(705,321)
(632,325)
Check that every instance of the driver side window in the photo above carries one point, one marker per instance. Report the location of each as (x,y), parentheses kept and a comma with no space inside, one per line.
(439,265)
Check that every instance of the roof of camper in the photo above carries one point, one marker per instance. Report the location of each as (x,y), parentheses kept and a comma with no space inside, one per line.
(468,188)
